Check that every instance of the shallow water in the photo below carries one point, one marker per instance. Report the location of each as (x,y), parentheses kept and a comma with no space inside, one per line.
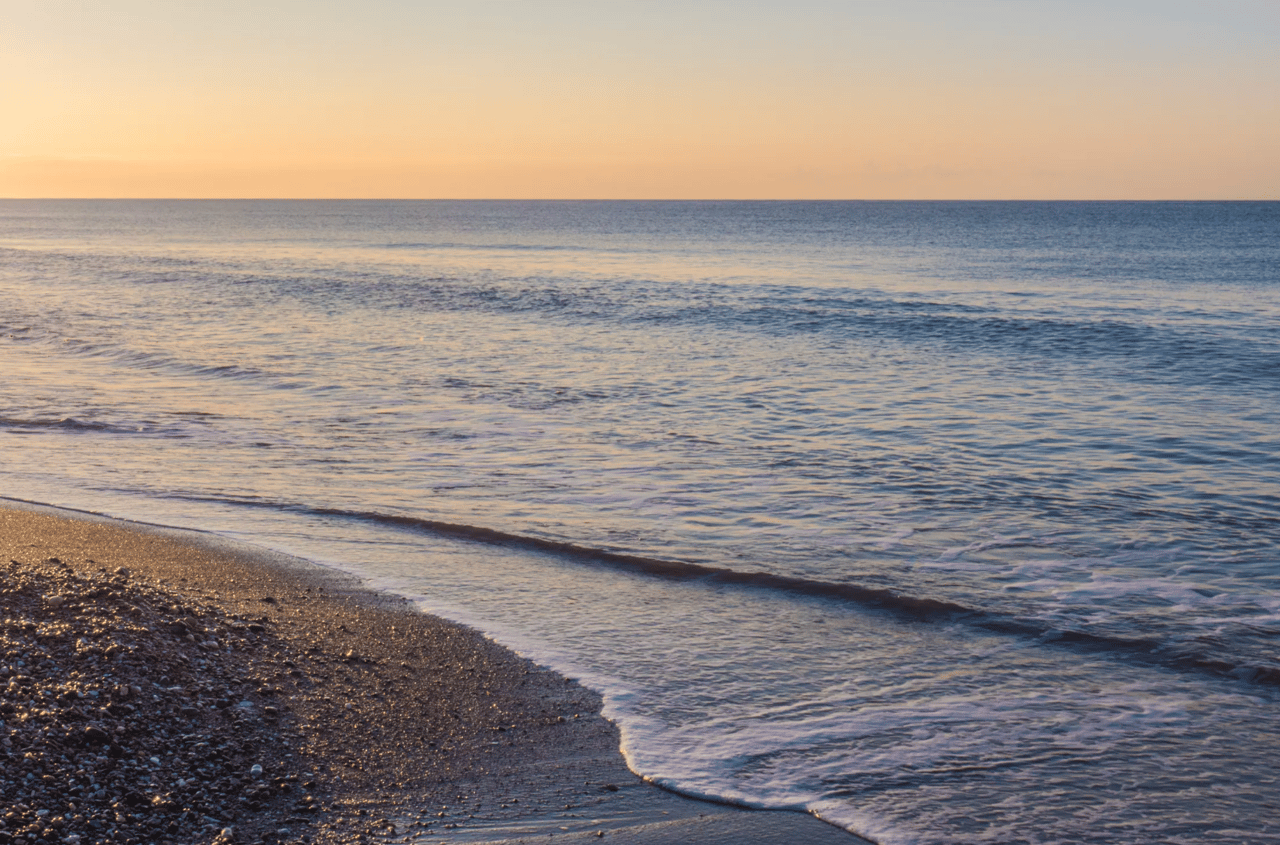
(951,522)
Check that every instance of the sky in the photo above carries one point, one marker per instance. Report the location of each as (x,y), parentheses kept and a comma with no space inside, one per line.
(695,99)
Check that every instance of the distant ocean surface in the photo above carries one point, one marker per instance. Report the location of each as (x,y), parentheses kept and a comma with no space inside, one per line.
(948,522)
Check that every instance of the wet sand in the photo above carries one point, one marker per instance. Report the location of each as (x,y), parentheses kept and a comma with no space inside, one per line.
(411,728)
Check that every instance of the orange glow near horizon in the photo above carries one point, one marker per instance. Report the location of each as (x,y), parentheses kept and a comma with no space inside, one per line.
(644,100)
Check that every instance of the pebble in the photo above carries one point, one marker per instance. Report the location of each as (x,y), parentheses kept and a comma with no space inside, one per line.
(110,734)
(145,734)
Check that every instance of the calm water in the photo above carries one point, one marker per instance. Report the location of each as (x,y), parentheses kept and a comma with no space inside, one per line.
(953,522)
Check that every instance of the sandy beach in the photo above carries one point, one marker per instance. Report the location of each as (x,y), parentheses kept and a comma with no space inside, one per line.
(338,714)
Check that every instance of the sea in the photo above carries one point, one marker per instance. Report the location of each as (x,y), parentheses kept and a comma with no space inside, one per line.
(947,522)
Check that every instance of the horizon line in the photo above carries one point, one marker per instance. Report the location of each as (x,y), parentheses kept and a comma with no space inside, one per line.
(616,199)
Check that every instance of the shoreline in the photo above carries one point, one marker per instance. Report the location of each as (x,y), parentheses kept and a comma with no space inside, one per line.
(408,727)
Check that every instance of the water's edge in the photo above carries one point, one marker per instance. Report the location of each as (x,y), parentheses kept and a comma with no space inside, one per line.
(348,579)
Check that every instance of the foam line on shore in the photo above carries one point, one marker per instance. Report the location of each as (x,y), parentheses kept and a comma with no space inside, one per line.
(1145,650)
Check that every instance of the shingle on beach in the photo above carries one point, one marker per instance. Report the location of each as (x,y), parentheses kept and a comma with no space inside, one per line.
(154,690)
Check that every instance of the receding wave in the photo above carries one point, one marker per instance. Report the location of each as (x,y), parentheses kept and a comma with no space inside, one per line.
(172,425)
(916,608)
(64,424)
(1144,350)
(144,361)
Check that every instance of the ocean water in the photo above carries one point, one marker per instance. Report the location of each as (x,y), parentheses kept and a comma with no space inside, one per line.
(947,522)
